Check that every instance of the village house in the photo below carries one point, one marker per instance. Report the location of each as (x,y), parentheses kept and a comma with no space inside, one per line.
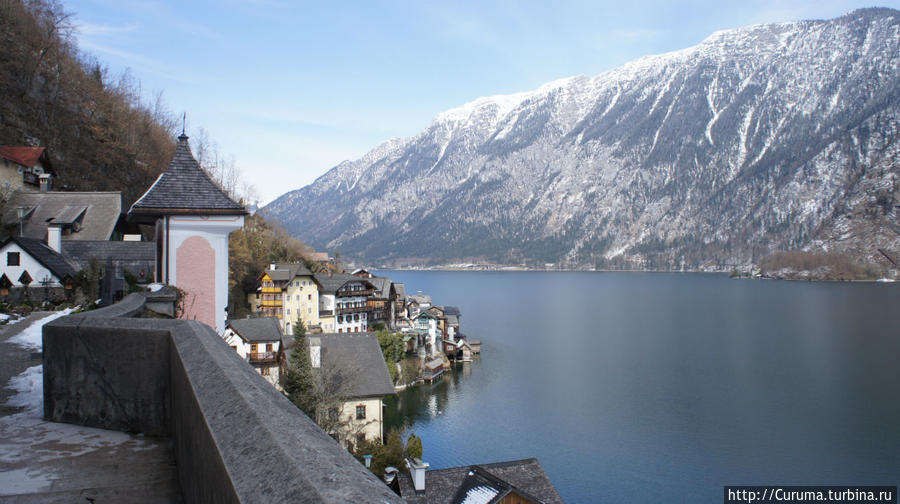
(430,338)
(81,227)
(259,342)
(354,367)
(30,263)
(289,291)
(343,303)
(24,168)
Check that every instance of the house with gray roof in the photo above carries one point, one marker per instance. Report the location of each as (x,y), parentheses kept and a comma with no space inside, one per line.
(344,302)
(517,481)
(259,341)
(28,262)
(351,367)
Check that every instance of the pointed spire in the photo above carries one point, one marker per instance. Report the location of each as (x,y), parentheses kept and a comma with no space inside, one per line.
(183,137)
(184,188)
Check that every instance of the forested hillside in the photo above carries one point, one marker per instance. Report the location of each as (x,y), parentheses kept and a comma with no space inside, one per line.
(102,136)
(99,133)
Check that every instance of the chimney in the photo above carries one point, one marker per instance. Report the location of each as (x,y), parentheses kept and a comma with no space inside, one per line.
(46,182)
(54,237)
(417,470)
(315,352)
(272,266)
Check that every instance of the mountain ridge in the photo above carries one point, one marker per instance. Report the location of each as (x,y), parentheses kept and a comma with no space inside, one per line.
(758,139)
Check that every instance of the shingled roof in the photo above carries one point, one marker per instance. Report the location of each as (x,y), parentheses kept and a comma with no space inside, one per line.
(257,329)
(185,189)
(95,212)
(360,356)
(460,484)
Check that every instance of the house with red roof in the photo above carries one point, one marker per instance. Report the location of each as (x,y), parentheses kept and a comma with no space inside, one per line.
(24,168)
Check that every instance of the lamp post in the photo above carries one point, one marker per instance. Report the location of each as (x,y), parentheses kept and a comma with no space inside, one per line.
(20,213)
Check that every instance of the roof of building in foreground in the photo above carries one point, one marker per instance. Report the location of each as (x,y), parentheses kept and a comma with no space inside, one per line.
(483,483)
(184,188)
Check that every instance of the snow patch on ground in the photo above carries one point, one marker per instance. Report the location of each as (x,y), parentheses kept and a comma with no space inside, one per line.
(31,337)
(29,388)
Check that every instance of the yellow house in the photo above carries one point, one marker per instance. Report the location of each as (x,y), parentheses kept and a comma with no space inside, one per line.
(289,291)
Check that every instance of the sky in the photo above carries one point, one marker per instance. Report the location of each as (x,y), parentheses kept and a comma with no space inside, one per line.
(291,89)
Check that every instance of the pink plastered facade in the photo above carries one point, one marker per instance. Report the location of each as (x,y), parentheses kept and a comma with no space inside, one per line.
(196,273)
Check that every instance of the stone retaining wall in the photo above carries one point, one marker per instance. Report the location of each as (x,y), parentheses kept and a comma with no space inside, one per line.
(236,438)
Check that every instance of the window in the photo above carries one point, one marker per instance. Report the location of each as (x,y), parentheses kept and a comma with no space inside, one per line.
(253,348)
(25,278)
(360,412)
(308,310)
(309,297)
(12,258)
(269,347)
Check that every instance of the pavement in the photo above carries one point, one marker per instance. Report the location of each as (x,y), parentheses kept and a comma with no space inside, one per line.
(49,462)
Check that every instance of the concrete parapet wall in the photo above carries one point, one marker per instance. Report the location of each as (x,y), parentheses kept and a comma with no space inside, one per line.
(236,438)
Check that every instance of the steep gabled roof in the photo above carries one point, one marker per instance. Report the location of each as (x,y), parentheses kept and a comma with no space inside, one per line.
(185,189)
(49,258)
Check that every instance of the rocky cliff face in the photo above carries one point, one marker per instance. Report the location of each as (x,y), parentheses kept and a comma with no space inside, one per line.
(764,138)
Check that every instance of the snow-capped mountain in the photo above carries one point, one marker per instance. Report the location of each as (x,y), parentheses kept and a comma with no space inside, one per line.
(765,138)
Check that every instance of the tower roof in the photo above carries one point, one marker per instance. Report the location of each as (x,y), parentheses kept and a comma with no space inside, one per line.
(185,189)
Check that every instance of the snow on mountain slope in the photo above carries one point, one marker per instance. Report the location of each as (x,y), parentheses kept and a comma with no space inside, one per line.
(764,138)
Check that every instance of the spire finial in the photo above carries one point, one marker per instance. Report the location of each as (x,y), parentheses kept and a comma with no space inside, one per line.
(183,122)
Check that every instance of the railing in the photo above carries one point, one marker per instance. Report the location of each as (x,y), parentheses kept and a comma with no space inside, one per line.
(326,313)
(357,309)
(263,357)
(349,293)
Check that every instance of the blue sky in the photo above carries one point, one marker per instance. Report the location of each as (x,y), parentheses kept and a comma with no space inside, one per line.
(291,89)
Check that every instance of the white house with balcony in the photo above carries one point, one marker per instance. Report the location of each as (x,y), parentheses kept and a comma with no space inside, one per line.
(343,303)
(259,342)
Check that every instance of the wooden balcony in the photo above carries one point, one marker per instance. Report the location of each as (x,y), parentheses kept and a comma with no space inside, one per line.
(326,313)
(358,309)
(351,293)
(263,357)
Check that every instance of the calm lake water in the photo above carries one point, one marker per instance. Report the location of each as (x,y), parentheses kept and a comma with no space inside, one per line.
(646,387)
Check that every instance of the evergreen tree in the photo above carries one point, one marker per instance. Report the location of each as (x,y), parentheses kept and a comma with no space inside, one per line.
(299,385)
(414,446)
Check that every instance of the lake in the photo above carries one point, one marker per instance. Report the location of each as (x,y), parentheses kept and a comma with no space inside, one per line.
(654,387)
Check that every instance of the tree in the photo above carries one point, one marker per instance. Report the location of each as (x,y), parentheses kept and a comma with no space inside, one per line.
(299,384)
(393,349)
(414,446)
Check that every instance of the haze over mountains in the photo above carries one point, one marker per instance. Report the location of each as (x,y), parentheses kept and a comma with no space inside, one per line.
(765,138)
